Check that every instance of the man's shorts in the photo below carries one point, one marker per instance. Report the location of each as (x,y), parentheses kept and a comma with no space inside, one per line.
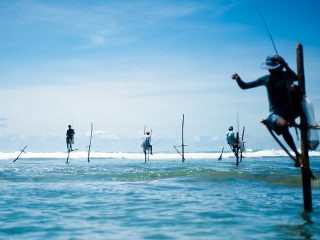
(271,122)
(70,140)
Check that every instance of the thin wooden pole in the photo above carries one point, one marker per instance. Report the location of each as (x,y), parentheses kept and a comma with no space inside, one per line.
(68,156)
(89,148)
(242,137)
(150,144)
(279,142)
(145,156)
(242,143)
(237,148)
(21,151)
(182,145)
(182,142)
(305,170)
(220,157)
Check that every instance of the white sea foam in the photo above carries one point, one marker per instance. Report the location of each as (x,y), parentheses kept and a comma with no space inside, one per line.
(157,156)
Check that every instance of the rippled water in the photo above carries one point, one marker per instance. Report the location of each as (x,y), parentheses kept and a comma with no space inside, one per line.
(163,199)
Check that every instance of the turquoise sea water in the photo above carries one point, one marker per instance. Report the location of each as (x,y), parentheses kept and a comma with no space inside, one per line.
(163,199)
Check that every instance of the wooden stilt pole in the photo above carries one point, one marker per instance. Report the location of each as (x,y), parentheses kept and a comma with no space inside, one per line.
(237,148)
(89,147)
(220,157)
(182,144)
(150,148)
(305,170)
(242,143)
(145,156)
(68,156)
(22,151)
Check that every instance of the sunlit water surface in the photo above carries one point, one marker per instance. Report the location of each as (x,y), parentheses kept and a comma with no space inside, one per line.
(163,199)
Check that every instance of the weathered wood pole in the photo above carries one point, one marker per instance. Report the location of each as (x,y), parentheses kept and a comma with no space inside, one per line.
(145,156)
(237,148)
(220,157)
(242,143)
(305,170)
(68,156)
(182,144)
(89,147)
(21,151)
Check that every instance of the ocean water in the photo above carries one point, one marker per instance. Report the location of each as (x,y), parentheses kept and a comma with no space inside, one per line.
(123,198)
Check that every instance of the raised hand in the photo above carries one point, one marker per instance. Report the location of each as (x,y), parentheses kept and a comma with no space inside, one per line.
(235,76)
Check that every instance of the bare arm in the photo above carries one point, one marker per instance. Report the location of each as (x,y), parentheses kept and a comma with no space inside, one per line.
(246,85)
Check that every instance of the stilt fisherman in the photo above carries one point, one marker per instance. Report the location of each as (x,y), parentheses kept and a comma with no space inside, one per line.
(231,139)
(70,138)
(284,98)
(146,143)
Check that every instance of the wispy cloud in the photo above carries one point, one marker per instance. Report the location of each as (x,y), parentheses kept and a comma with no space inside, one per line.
(100,23)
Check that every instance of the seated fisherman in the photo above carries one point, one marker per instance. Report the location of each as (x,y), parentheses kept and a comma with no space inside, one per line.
(146,144)
(231,138)
(279,85)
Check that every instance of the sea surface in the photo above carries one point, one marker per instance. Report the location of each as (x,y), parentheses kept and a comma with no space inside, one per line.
(123,198)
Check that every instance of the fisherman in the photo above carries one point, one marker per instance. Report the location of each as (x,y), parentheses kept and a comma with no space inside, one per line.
(70,138)
(282,95)
(146,144)
(231,139)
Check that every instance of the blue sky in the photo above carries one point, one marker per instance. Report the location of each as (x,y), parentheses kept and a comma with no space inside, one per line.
(126,64)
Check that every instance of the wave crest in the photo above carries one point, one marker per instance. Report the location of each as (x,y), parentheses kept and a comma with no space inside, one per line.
(157,156)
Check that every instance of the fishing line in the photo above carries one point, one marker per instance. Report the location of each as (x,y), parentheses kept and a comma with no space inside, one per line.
(265,24)
(238,117)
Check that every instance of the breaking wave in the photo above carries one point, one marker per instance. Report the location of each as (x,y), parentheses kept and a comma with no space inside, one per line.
(157,156)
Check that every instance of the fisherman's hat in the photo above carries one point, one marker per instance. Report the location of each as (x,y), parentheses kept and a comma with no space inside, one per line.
(270,63)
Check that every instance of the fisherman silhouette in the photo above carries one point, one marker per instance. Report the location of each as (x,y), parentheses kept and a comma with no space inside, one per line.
(70,138)
(283,96)
(231,138)
(146,144)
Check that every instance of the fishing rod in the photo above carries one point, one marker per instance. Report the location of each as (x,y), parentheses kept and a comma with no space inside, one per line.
(266,26)
(238,118)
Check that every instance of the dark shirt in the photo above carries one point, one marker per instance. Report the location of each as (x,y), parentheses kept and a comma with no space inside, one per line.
(70,133)
(278,91)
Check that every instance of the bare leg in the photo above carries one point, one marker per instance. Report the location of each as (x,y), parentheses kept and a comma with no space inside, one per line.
(69,146)
(282,124)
